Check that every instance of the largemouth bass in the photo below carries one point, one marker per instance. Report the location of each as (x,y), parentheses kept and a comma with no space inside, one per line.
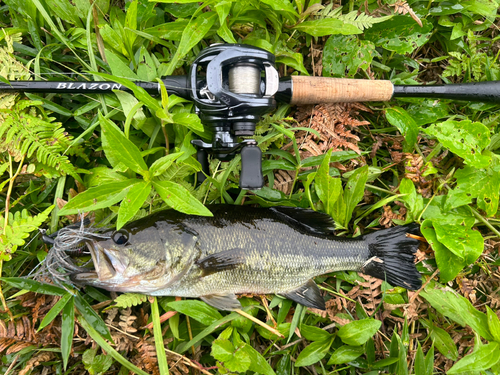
(239,250)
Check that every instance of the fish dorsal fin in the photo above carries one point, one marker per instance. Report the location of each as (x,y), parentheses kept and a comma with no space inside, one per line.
(226,302)
(307,295)
(305,219)
(222,261)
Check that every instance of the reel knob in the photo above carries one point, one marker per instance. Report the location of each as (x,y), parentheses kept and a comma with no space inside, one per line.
(251,167)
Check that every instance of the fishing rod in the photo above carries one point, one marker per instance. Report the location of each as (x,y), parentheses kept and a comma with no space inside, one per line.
(233,85)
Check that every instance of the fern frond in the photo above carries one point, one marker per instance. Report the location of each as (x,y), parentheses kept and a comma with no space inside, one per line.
(127,300)
(27,133)
(362,21)
(19,227)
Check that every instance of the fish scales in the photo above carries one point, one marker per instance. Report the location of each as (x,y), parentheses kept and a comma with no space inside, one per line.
(242,250)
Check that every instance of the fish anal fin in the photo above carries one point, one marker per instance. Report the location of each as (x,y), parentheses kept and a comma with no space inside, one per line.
(307,295)
(222,261)
(306,220)
(227,302)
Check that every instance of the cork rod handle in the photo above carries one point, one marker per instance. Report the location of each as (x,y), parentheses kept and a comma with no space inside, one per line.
(314,90)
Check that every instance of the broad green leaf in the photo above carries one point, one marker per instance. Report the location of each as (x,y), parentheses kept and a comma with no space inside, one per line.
(314,352)
(54,311)
(343,54)
(465,138)
(189,120)
(194,32)
(89,314)
(34,286)
(67,330)
(171,31)
(359,331)
(449,264)
(132,202)
(460,239)
(354,191)
(481,359)
(327,187)
(119,149)
(442,340)
(427,111)
(345,354)
(87,326)
(281,5)
(312,333)
(102,175)
(119,68)
(179,198)
(163,163)
(414,201)
(234,359)
(258,363)
(198,310)
(98,197)
(327,26)
(493,323)
(482,7)
(483,184)
(457,308)
(398,117)
(400,34)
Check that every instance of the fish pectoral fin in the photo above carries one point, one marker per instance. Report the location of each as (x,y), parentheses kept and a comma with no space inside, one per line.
(222,261)
(307,295)
(306,220)
(222,301)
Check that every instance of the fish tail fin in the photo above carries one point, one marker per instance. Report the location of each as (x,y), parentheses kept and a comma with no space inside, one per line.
(392,256)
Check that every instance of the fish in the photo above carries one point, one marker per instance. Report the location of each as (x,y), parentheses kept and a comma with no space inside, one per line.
(239,250)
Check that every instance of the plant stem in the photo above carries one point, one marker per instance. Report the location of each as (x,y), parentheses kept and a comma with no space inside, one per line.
(484,221)
(9,190)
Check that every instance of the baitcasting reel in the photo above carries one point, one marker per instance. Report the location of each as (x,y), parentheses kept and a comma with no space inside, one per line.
(232,86)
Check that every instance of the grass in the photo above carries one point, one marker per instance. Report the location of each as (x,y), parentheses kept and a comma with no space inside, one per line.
(428,161)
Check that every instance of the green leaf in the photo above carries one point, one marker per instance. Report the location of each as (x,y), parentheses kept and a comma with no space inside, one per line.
(98,197)
(442,340)
(179,198)
(327,187)
(465,138)
(419,365)
(194,32)
(119,149)
(234,359)
(54,311)
(281,5)
(358,332)
(189,120)
(460,239)
(345,354)
(343,54)
(34,286)
(90,316)
(198,310)
(258,363)
(449,264)
(483,184)
(119,68)
(481,359)
(314,352)
(160,348)
(398,117)
(354,191)
(400,34)
(428,111)
(414,201)
(327,26)
(67,330)
(493,324)
(457,308)
(312,333)
(132,202)
(108,348)
(163,163)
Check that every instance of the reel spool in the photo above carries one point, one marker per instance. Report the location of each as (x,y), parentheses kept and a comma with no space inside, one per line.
(233,86)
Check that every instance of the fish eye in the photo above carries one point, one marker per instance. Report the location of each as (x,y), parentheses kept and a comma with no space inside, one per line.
(120,237)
